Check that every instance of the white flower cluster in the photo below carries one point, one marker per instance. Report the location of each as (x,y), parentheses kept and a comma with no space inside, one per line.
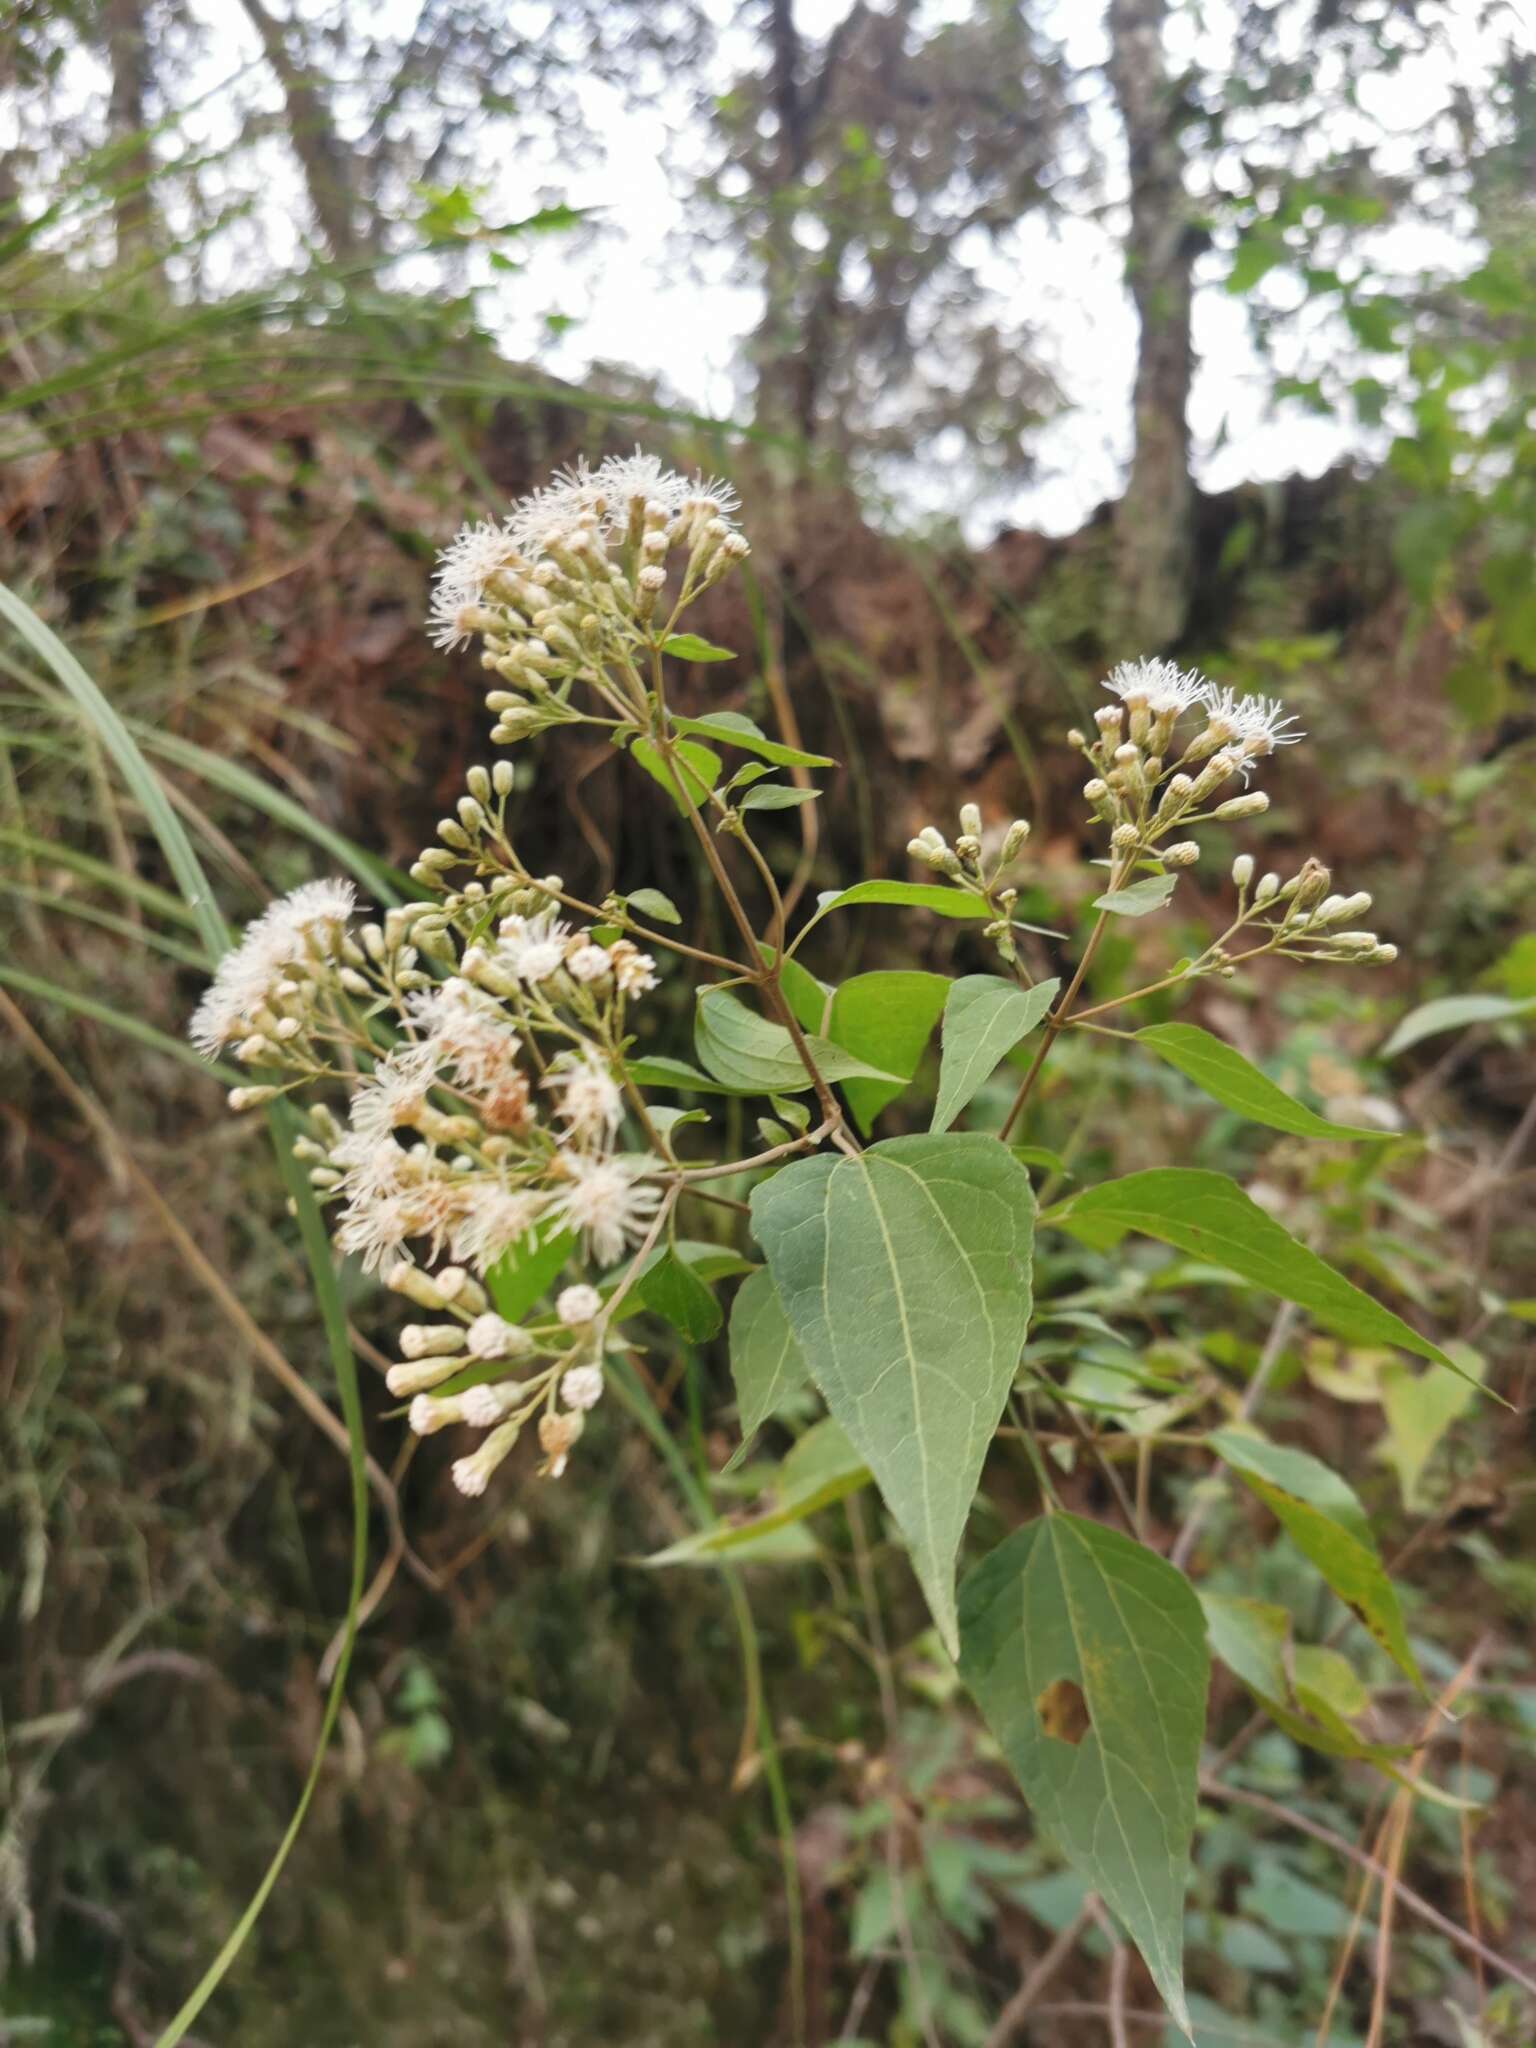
(260,987)
(569,586)
(491,1122)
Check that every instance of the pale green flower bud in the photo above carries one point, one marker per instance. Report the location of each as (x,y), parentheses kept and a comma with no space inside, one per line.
(1183,855)
(970,820)
(478,782)
(1124,837)
(502,778)
(1013,843)
(1242,870)
(418,1378)
(471,816)
(1268,889)
(1248,805)
(1096,790)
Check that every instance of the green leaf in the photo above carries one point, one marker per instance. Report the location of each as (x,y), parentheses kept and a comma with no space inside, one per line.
(1086,1653)
(660,1070)
(1222,1072)
(689,647)
(522,1275)
(1324,1519)
(775,796)
(698,768)
(673,1290)
(735,729)
(1452,1013)
(905,1275)
(984,1018)
(1420,1407)
(911,896)
(759,1057)
(823,1467)
(1138,899)
(1253,1639)
(653,904)
(887,1018)
(1209,1216)
(766,1362)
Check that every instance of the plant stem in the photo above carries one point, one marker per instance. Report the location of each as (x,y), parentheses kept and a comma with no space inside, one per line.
(1058,1017)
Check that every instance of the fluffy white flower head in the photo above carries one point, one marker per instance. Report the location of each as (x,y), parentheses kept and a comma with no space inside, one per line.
(305,925)
(591,1104)
(496,1219)
(1167,688)
(606,1200)
(1258,724)
(533,948)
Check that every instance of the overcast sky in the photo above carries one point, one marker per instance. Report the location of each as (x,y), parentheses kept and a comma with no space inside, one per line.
(633,300)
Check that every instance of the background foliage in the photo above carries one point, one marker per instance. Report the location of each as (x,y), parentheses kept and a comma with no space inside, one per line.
(228,457)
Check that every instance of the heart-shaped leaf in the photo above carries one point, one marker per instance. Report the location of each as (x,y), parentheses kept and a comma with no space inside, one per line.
(905,1275)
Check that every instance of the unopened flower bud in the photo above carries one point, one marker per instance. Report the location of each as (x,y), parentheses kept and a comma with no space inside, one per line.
(582,1387)
(1013,841)
(471,816)
(1124,837)
(502,778)
(970,820)
(1311,885)
(460,1288)
(430,1340)
(1268,889)
(558,1433)
(492,1336)
(1126,756)
(472,1475)
(1249,805)
(576,1306)
(404,1278)
(484,1406)
(1242,870)
(1096,790)
(429,1414)
(968,849)
(1183,855)
(1385,954)
(250,1098)
(415,1377)
(478,782)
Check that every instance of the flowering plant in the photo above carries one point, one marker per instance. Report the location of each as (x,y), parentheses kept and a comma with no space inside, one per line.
(489,1139)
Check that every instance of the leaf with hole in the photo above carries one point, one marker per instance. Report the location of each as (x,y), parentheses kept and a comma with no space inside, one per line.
(905,1275)
(1221,1071)
(1086,1653)
(1323,1518)
(985,1017)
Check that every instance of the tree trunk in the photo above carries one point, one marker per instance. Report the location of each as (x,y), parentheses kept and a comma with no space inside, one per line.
(1154,520)
(135,225)
(321,153)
